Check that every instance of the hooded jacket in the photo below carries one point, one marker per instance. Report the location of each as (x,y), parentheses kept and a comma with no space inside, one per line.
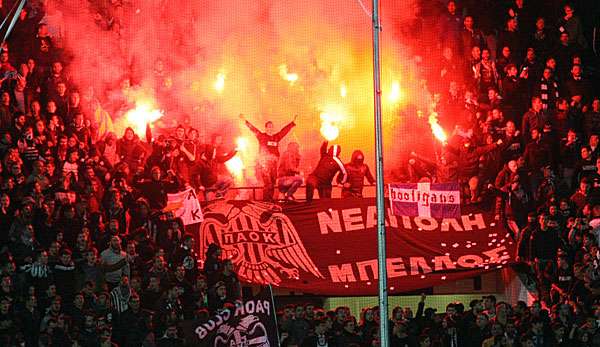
(329,165)
(357,170)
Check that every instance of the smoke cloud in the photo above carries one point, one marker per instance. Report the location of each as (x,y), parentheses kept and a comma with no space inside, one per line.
(205,62)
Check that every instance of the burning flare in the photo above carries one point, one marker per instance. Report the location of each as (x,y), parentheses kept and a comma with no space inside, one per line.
(437,129)
(220,82)
(329,125)
(143,113)
(343,91)
(236,167)
(241,143)
(396,94)
(290,77)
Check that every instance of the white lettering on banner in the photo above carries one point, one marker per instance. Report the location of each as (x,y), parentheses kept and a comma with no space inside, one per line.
(355,219)
(424,195)
(367,270)
(254,307)
(204,329)
(247,308)
(185,205)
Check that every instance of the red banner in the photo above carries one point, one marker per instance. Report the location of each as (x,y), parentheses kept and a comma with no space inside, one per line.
(329,247)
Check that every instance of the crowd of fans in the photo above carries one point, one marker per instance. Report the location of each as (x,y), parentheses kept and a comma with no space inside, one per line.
(485,322)
(88,258)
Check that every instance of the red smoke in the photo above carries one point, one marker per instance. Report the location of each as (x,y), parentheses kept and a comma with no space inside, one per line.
(223,58)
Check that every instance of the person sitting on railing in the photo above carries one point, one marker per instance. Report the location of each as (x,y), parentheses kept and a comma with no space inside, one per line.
(290,178)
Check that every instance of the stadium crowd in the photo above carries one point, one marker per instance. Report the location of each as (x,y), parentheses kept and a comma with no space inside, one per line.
(88,258)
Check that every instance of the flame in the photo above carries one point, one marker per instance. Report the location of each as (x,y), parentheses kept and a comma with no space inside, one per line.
(437,129)
(290,77)
(220,82)
(236,167)
(241,143)
(396,94)
(329,125)
(143,113)
(343,91)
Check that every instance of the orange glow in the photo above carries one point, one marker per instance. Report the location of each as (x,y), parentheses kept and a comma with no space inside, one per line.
(143,113)
(236,167)
(343,91)
(330,125)
(437,129)
(290,77)
(396,94)
(220,82)
(241,144)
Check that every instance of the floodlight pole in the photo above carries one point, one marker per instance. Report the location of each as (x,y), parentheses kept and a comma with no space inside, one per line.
(381,256)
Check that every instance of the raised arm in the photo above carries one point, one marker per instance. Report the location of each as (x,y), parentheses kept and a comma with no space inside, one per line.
(324,148)
(286,129)
(148,133)
(225,157)
(249,125)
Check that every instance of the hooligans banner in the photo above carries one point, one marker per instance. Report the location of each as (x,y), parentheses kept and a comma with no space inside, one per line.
(253,323)
(329,247)
(437,200)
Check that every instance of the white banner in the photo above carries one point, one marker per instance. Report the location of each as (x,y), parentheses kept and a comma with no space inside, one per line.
(185,205)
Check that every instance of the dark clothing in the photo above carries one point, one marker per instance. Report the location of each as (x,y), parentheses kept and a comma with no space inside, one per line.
(544,244)
(569,154)
(512,148)
(524,243)
(532,120)
(30,323)
(577,86)
(269,144)
(329,165)
(188,259)
(468,159)
(211,164)
(348,339)
(542,41)
(357,172)
(169,342)
(585,168)
(233,287)
(476,336)
(65,277)
(512,40)
(156,191)
(131,328)
(315,341)
(130,151)
(537,155)
(591,123)
(512,92)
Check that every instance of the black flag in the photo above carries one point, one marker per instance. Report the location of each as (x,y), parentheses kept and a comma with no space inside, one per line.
(252,324)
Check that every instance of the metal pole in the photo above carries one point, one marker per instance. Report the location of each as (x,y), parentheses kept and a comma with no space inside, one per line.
(381,257)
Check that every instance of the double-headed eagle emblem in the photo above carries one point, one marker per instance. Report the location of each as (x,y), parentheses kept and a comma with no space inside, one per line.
(259,238)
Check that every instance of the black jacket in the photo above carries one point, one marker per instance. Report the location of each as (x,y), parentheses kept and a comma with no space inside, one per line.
(329,165)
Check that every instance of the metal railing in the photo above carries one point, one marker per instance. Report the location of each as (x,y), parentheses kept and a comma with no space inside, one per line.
(255,192)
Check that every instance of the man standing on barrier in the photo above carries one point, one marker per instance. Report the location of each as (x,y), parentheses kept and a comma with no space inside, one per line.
(268,157)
